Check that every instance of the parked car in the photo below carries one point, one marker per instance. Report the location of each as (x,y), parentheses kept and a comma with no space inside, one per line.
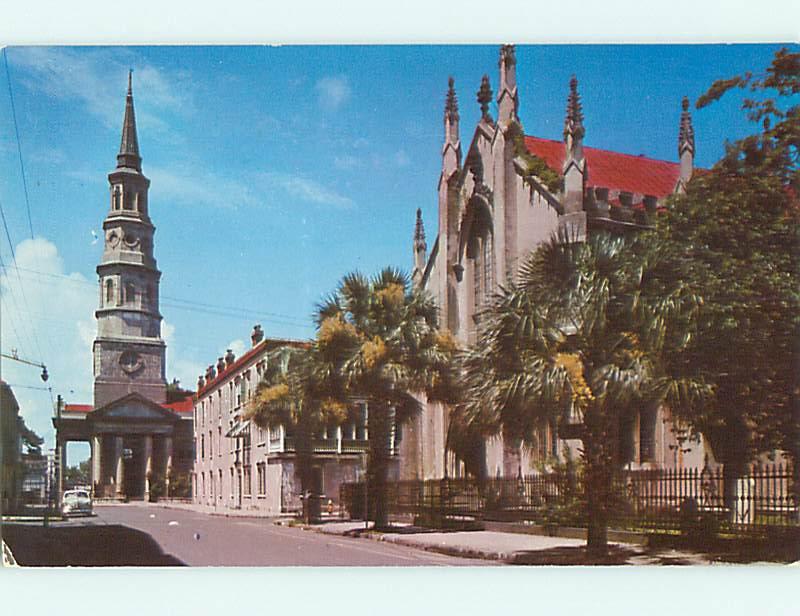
(77,502)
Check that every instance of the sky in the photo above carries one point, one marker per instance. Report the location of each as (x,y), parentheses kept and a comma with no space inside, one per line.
(275,171)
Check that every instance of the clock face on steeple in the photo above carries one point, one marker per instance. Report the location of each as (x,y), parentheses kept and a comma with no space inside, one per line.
(131,362)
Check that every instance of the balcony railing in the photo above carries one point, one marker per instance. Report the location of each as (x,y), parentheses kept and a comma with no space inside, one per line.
(330,445)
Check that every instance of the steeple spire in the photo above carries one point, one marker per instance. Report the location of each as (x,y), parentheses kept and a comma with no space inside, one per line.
(573,123)
(419,231)
(451,102)
(420,249)
(574,169)
(485,98)
(686,132)
(129,146)
(507,98)
(685,146)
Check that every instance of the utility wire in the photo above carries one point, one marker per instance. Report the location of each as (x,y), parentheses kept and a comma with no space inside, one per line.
(31,333)
(19,144)
(203,307)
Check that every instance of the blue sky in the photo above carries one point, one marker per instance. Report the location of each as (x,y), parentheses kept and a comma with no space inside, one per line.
(275,170)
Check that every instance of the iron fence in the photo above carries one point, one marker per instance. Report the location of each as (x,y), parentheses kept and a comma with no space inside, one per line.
(663,499)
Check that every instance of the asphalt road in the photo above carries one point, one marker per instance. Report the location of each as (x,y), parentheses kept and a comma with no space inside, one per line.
(199,539)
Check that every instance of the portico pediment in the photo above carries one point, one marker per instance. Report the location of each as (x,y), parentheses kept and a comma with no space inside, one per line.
(132,407)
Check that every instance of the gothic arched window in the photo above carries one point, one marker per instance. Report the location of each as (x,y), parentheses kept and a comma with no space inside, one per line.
(109,291)
(117,198)
(127,201)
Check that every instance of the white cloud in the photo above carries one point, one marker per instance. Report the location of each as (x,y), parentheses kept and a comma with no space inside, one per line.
(56,308)
(306,189)
(97,78)
(197,185)
(333,92)
(48,317)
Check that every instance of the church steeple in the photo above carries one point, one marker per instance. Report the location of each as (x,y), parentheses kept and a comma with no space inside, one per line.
(129,146)
(129,352)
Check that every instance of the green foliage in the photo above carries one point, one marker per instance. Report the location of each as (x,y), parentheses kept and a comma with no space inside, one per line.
(535,166)
(735,237)
(377,340)
(77,475)
(583,333)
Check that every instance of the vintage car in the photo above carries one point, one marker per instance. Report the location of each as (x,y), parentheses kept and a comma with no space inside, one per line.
(76,502)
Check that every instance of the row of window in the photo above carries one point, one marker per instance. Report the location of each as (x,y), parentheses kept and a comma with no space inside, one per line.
(147,295)
(209,484)
(233,397)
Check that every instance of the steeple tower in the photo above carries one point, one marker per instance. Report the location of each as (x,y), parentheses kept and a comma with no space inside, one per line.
(685,146)
(129,354)
(574,163)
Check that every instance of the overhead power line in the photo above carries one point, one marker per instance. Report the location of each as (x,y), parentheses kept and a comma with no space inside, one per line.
(19,144)
(201,307)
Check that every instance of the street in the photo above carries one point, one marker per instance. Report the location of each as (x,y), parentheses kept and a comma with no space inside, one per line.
(146,535)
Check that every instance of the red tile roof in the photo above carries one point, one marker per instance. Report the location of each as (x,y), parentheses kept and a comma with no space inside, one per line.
(613,170)
(78,408)
(181,406)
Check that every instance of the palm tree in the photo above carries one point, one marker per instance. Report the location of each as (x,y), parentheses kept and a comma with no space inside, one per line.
(580,338)
(378,341)
(289,396)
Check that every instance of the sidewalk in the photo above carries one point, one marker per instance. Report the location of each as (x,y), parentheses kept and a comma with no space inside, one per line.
(511,548)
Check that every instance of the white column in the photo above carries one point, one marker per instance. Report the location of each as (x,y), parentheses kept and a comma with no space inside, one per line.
(167,441)
(119,464)
(97,475)
(148,463)
(338,439)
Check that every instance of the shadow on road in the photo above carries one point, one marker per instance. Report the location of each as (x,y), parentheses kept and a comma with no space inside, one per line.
(85,546)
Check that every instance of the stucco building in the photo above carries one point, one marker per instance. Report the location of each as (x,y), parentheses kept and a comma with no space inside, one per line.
(499,198)
(138,434)
(241,466)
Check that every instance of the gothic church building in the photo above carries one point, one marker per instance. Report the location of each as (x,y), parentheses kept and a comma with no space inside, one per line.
(494,210)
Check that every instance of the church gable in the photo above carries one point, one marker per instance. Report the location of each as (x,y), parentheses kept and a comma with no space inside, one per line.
(134,407)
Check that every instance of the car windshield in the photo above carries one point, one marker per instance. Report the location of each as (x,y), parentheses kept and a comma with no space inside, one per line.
(73,497)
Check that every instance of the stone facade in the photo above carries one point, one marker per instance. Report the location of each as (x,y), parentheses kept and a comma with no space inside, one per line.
(493,211)
(241,466)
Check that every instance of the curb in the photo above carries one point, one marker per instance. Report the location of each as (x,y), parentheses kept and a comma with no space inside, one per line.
(447,550)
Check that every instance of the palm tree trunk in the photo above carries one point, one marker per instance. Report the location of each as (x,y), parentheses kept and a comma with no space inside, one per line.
(599,453)
(378,471)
